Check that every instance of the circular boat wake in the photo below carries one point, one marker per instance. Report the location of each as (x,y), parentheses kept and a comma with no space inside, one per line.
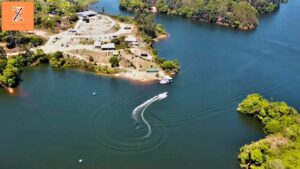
(114,128)
(138,112)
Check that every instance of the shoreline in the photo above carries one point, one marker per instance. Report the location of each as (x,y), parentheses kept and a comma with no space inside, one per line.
(282,132)
(16,91)
(123,77)
(161,37)
(134,60)
(218,23)
(133,65)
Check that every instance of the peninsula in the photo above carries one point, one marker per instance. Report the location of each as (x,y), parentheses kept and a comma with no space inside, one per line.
(121,47)
(281,147)
(112,46)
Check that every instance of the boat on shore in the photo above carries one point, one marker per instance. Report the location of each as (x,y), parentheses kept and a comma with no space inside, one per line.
(162,82)
(165,80)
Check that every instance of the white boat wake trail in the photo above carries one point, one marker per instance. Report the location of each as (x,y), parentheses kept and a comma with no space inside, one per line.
(140,110)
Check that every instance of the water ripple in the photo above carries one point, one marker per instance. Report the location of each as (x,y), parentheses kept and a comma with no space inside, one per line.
(113,127)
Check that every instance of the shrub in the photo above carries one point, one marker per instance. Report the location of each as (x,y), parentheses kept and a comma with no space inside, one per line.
(114,61)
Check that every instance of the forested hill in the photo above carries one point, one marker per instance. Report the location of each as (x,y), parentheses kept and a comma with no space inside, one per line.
(241,14)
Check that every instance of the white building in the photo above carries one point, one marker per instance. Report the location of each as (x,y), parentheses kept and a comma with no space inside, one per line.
(97,44)
(131,40)
(144,54)
(109,46)
(115,53)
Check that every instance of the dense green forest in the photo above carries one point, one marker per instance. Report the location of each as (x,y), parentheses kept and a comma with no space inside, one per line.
(20,39)
(241,14)
(280,149)
(10,68)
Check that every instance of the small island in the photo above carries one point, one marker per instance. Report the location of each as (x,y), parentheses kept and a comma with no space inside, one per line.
(113,45)
(281,147)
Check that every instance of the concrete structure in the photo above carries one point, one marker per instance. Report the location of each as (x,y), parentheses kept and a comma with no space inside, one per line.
(87,13)
(97,44)
(109,46)
(127,27)
(86,19)
(115,53)
(131,40)
(152,70)
(144,54)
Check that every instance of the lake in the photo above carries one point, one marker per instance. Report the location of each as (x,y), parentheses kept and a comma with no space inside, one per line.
(54,120)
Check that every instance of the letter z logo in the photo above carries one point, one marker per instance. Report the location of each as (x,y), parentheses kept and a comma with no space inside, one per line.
(18,17)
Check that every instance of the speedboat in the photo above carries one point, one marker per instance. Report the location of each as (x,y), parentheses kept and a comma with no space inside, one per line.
(163,95)
(163,82)
(168,78)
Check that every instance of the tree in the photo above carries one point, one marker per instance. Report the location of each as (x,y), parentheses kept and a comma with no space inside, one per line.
(257,157)
(58,55)
(162,6)
(273,126)
(275,164)
(11,73)
(170,65)
(2,53)
(146,23)
(252,104)
(132,4)
(281,122)
(244,14)
(13,62)
(114,61)
(10,76)
(2,65)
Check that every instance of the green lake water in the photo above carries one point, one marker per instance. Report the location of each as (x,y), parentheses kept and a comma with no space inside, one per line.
(55,120)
